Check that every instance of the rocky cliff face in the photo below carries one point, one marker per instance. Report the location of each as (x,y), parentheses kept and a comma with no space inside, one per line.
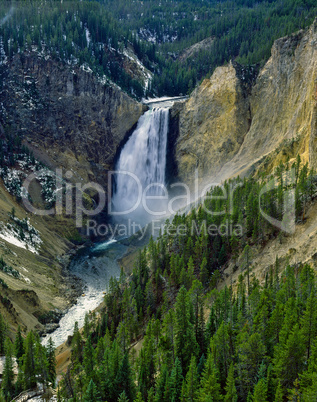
(224,133)
(70,119)
(67,115)
(212,125)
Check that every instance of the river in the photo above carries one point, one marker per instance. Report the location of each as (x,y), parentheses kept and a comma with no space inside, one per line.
(143,157)
(94,266)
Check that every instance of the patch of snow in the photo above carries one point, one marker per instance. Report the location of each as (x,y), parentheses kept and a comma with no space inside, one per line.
(13,178)
(12,240)
(146,73)
(86,68)
(28,238)
(104,80)
(147,35)
(88,39)
(3,57)
(25,279)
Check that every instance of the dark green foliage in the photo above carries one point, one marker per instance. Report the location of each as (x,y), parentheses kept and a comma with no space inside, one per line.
(231,391)
(96,33)
(8,269)
(260,341)
(190,385)
(36,364)
(258,349)
(29,362)
(92,393)
(7,384)
(124,380)
(51,362)
(19,345)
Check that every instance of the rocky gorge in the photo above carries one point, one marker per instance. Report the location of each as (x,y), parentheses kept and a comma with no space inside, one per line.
(225,130)
(237,122)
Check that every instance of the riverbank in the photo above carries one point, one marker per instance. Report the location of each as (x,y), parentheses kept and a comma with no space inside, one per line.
(93,266)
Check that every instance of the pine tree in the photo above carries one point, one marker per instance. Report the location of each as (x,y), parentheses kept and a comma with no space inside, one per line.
(86,326)
(201,365)
(196,299)
(146,379)
(139,397)
(289,361)
(185,340)
(77,348)
(231,391)
(124,381)
(190,272)
(204,274)
(174,383)
(279,393)
(222,351)
(7,384)
(29,362)
(210,387)
(151,395)
(310,392)
(2,335)
(123,397)
(41,365)
(271,387)
(51,362)
(89,358)
(161,382)
(191,382)
(19,345)
(260,391)
(251,354)
(92,393)
(309,323)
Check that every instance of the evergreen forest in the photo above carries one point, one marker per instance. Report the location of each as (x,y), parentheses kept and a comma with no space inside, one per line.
(97,34)
(174,331)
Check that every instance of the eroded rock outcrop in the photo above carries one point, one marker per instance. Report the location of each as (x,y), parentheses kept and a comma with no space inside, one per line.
(221,138)
(67,115)
(212,125)
(283,103)
(71,120)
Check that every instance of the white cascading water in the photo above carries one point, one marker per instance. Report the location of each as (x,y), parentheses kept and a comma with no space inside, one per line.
(144,158)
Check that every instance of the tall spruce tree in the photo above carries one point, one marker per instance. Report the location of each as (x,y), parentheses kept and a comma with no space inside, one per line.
(210,389)
(7,384)
(19,344)
(231,391)
(185,340)
(51,362)
(29,362)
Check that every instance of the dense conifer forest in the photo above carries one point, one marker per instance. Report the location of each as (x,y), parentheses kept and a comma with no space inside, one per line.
(178,328)
(249,341)
(96,33)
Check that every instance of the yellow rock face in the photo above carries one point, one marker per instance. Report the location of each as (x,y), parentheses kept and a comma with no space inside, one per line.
(222,138)
(213,124)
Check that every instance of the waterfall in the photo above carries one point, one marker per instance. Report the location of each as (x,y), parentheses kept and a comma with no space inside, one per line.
(141,166)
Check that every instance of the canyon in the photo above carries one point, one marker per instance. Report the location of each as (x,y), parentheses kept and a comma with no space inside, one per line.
(239,122)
